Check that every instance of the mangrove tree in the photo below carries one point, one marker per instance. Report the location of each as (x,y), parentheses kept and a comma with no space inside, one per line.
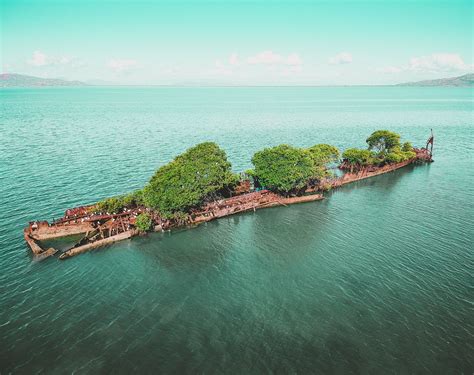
(201,172)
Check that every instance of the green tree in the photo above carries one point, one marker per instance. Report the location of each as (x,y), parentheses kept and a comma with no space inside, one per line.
(383,141)
(143,222)
(323,154)
(389,149)
(357,158)
(283,168)
(394,157)
(407,146)
(200,172)
(398,154)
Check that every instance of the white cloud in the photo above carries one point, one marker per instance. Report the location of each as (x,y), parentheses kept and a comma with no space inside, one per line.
(38,59)
(341,58)
(271,63)
(435,63)
(438,62)
(122,65)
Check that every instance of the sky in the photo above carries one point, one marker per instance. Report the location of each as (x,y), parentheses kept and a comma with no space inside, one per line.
(242,42)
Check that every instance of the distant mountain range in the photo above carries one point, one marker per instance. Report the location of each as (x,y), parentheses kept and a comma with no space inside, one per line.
(464,80)
(20,80)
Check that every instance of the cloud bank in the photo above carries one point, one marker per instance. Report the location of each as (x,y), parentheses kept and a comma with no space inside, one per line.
(271,62)
(40,59)
(435,63)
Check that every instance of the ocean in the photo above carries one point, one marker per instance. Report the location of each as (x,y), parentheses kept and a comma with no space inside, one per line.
(375,279)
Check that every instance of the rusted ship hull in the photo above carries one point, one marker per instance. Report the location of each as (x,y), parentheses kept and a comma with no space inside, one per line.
(67,225)
(94,245)
(104,229)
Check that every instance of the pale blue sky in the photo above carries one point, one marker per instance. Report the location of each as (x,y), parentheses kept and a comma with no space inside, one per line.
(239,42)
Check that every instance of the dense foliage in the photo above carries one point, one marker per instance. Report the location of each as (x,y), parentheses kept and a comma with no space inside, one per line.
(397,155)
(358,158)
(204,173)
(283,168)
(407,147)
(386,150)
(117,204)
(383,141)
(198,173)
(143,222)
(323,154)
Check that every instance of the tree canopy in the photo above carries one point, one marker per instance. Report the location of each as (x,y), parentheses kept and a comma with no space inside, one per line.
(323,153)
(397,154)
(407,147)
(358,158)
(191,177)
(203,172)
(383,141)
(283,168)
(387,149)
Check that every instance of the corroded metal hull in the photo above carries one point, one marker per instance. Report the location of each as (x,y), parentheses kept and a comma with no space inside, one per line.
(104,228)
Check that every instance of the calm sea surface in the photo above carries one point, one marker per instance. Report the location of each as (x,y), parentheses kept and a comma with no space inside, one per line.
(377,278)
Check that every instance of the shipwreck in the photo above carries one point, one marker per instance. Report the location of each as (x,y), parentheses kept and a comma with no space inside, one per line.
(98,228)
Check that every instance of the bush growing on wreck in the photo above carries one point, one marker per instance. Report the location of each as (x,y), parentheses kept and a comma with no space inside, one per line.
(397,155)
(393,157)
(283,168)
(383,141)
(110,205)
(143,222)
(199,173)
(133,199)
(387,150)
(250,173)
(407,146)
(117,204)
(323,154)
(357,158)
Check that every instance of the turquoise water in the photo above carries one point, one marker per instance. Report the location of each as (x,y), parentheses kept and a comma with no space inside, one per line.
(378,278)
